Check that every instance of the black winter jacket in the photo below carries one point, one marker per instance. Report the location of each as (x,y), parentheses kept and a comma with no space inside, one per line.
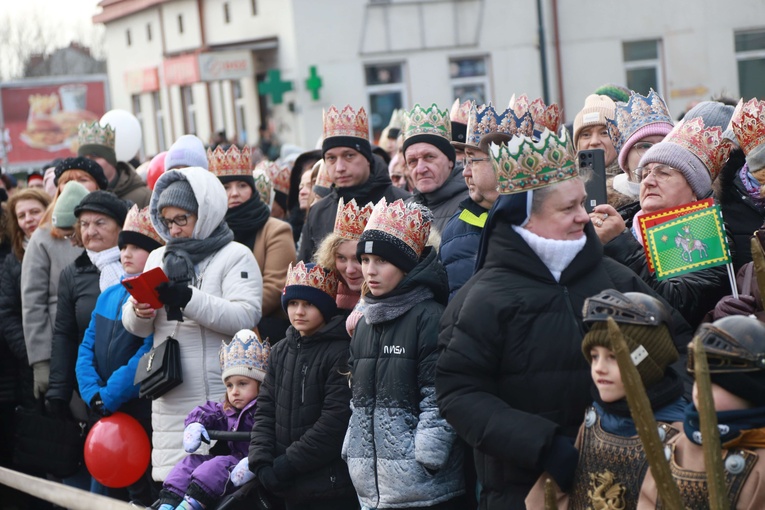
(511,374)
(321,217)
(78,291)
(15,373)
(303,411)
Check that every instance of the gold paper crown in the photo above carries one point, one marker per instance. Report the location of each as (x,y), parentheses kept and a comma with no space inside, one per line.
(521,108)
(232,162)
(460,112)
(544,117)
(139,220)
(351,219)
(403,222)
(93,133)
(263,184)
(706,143)
(396,119)
(316,277)
(346,123)
(748,124)
(322,177)
(280,177)
(525,165)
(432,121)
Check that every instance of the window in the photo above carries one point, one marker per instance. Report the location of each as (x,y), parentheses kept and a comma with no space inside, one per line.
(239,112)
(135,99)
(642,65)
(159,119)
(189,111)
(148,31)
(226,17)
(180,23)
(254,5)
(750,55)
(386,91)
(470,79)
(127,36)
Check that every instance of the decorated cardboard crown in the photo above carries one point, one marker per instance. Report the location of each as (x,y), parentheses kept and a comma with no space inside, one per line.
(396,119)
(316,277)
(93,133)
(139,220)
(706,143)
(544,117)
(639,112)
(263,184)
(419,121)
(246,355)
(322,177)
(521,108)
(403,222)
(484,120)
(231,162)
(280,177)
(346,123)
(351,219)
(523,164)
(748,124)
(460,112)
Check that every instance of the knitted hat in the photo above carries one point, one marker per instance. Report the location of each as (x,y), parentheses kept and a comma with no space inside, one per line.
(595,112)
(139,231)
(396,232)
(644,323)
(346,129)
(63,212)
(312,283)
(713,113)
(187,151)
(429,126)
(97,140)
(103,202)
(246,355)
(615,92)
(84,164)
(178,194)
(640,117)
(697,152)
(34,177)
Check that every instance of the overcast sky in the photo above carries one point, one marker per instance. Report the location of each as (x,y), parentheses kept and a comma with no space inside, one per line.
(67,18)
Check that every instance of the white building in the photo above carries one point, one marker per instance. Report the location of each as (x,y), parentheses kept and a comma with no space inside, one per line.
(197,66)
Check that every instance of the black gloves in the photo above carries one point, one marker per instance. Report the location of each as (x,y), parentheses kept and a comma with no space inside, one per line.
(561,462)
(97,410)
(175,295)
(58,408)
(269,480)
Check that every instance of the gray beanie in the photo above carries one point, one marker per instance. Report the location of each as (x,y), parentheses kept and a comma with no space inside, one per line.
(187,151)
(178,194)
(713,113)
(671,154)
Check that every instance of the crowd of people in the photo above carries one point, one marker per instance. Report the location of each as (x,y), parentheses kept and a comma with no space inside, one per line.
(431,321)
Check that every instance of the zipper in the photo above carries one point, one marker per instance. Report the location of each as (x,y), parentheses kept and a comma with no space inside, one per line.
(302,384)
(570,307)
(332,477)
(378,334)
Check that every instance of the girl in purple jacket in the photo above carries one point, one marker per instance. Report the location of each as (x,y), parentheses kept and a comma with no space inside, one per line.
(200,481)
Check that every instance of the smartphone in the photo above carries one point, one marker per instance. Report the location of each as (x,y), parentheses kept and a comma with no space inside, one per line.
(142,287)
(594,160)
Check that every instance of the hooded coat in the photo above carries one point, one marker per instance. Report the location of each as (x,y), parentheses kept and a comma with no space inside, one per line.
(226,297)
(321,217)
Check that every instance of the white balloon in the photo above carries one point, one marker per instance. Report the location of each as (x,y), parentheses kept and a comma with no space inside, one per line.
(127,133)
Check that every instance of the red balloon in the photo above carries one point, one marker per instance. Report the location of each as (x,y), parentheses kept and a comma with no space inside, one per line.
(117,450)
(156,168)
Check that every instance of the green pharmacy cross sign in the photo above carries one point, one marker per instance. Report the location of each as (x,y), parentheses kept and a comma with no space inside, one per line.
(274,86)
(313,83)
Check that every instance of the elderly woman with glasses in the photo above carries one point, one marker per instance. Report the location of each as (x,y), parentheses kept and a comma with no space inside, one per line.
(215,289)
(672,173)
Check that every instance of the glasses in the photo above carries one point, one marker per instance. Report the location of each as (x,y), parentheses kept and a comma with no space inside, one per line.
(642,147)
(181,220)
(469,161)
(660,172)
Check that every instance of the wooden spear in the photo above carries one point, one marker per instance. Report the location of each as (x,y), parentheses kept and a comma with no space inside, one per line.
(758,259)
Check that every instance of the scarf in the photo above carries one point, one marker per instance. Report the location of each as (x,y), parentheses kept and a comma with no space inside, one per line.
(752,186)
(623,185)
(740,429)
(108,264)
(182,254)
(637,234)
(247,219)
(554,253)
(346,298)
(394,305)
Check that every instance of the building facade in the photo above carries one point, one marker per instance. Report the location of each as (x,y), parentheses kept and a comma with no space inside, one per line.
(204,66)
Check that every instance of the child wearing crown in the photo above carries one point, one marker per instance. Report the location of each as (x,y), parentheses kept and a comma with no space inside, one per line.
(400,451)
(200,481)
(303,408)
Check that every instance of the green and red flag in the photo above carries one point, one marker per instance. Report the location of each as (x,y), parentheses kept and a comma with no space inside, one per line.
(688,243)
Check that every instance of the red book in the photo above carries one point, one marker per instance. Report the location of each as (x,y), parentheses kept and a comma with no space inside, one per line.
(142,287)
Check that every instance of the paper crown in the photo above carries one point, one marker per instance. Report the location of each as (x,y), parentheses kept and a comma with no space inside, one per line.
(706,143)
(279,175)
(139,220)
(246,355)
(484,119)
(522,111)
(93,133)
(523,165)
(351,219)
(317,277)
(263,184)
(460,112)
(432,121)
(748,124)
(405,224)
(396,119)
(232,162)
(544,117)
(322,177)
(346,123)
(639,112)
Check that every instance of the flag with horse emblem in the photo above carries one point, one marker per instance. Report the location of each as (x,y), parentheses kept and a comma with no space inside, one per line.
(688,243)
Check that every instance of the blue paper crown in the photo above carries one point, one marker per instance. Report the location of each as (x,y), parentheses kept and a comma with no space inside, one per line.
(484,119)
(639,112)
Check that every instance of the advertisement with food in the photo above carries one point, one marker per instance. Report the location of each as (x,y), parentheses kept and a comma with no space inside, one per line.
(42,118)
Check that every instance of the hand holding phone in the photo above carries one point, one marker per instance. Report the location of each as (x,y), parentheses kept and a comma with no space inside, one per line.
(594,161)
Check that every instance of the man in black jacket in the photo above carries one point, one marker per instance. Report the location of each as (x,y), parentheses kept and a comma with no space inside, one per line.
(354,170)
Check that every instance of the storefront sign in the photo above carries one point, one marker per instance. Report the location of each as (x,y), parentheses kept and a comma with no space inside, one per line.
(225,65)
(183,70)
(142,80)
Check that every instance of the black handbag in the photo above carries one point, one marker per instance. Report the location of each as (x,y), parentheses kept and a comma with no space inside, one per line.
(159,370)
